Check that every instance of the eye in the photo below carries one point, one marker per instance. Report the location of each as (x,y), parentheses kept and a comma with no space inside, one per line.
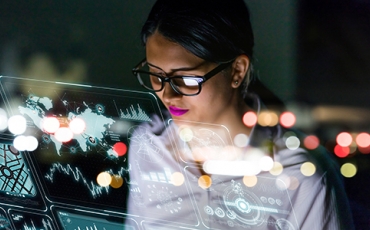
(155,79)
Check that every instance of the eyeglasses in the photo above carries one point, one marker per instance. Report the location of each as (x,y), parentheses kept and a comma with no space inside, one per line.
(185,85)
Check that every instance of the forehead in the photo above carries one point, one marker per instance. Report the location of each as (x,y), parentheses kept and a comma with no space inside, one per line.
(162,52)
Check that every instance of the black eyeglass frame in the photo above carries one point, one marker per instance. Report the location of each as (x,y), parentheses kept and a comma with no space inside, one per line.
(136,71)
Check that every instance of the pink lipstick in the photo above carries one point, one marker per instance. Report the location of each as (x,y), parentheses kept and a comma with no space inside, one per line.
(177,111)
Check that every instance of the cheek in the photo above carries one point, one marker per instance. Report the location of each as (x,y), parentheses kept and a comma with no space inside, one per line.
(160,95)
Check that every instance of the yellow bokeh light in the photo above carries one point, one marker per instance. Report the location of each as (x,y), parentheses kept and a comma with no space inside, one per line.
(250,181)
(117,181)
(277,169)
(266,118)
(177,178)
(104,179)
(186,134)
(348,170)
(205,181)
(308,169)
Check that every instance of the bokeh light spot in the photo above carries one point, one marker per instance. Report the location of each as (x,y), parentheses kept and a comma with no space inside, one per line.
(63,134)
(116,181)
(364,150)
(311,142)
(177,178)
(348,170)
(308,169)
(289,134)
(341,152)
(344,139)
(23,143)
(32,143)
(294,183)
(241,140)
(250,119)
(277,169)
(287,119)
(363,140)
(250,181)
(120,148)
(205,181)
(104,179)
(20,143)
(292,143)
(266,118)
(77,125)
(266,163)
(3,120)
(186,134)
(17,124)
(50,124)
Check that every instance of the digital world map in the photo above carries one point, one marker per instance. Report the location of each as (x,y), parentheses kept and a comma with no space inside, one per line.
(96,123)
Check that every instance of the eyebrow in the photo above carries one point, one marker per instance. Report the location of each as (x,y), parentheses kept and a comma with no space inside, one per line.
(177,69)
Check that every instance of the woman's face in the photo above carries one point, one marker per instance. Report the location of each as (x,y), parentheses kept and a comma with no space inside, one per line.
(217,97)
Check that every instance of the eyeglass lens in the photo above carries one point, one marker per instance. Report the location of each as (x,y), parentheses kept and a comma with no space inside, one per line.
(183,84)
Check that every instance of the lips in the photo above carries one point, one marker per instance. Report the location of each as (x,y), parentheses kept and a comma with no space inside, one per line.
(177,111)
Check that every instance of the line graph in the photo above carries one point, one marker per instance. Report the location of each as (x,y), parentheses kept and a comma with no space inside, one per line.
(75,173)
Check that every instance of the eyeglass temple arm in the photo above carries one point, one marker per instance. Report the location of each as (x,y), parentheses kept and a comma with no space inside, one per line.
(217,69)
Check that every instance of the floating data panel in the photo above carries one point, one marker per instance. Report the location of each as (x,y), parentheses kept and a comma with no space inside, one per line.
(17,183)
(72,151)
(71,219)
(82,157)
(30,220)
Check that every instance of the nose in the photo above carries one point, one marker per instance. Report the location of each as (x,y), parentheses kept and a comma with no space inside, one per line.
(169,94)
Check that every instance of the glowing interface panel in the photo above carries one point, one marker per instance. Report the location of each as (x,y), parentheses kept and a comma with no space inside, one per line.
(80,156)
(107,159)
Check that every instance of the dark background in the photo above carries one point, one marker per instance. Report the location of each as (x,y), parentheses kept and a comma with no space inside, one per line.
(313,54)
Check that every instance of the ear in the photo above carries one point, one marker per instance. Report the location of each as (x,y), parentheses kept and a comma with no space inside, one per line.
(239,70)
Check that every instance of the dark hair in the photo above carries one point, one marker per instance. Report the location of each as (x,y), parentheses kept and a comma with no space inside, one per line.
(214,30)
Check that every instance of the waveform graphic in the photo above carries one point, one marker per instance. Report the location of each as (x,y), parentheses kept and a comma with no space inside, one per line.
(46,225)
(94,189)
(134,114)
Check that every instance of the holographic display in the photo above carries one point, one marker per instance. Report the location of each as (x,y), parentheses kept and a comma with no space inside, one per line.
(15,176)
(70,168)
(31,221)
(233,204)
(5,223)
(113,162)
(71,220)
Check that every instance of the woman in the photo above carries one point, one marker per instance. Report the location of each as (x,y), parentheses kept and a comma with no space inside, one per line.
(195,175)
